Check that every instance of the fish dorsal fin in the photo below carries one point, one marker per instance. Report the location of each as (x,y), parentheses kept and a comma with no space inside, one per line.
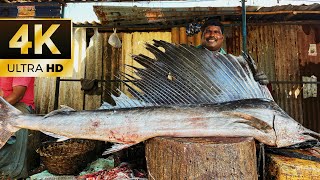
(123,101)
(182,74)
(63,110)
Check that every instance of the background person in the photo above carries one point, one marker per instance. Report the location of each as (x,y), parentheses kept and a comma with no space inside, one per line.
(19,92)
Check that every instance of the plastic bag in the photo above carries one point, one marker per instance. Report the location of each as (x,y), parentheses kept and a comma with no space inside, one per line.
(114,40)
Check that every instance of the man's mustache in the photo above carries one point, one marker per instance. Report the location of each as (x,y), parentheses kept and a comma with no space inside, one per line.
(212,38)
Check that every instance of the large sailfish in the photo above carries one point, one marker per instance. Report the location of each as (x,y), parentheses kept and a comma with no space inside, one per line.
(182,92)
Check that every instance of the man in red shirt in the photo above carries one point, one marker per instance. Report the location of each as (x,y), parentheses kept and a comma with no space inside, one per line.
(19,92)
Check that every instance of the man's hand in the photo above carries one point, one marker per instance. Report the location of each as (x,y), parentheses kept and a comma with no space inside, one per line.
(261,78)
(251,63)
(1,93)
(16,95)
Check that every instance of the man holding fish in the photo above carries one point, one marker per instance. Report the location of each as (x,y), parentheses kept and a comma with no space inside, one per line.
(212,40)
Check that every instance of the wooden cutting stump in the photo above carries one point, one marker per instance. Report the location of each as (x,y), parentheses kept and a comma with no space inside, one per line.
(201,158)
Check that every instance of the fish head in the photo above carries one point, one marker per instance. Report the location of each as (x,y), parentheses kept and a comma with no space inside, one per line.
(290,133)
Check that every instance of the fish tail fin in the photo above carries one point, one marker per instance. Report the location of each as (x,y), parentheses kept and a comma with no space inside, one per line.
(7,114)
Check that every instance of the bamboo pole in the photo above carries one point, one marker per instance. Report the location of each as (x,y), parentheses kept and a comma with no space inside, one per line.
(175,35)
(183,35)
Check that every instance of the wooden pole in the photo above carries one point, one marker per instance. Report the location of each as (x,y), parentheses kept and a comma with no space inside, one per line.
(201,158)
(175,35)
(183,35)
(197,38)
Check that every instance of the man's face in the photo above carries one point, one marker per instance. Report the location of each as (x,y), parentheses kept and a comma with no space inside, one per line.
(212,38)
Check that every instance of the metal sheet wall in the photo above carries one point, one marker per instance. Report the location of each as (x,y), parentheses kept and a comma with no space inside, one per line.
(70,92)
(282,53)
(111,63)
(274,47)
(287,69)
(309,35)
(93,67)
(44,94)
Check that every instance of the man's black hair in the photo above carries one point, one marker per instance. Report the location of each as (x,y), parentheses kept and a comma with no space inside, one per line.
(212,22)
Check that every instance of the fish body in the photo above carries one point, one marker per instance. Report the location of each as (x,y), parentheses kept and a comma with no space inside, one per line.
(256,118)
(183,92)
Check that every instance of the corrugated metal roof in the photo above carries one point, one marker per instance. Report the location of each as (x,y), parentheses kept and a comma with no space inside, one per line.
(286,13)
(120,16)
(312,7)
(87,24)
(66,1)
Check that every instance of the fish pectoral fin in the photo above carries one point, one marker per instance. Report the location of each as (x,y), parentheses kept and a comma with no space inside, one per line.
(251,121)
(117,147)
(63,110)
(59,137)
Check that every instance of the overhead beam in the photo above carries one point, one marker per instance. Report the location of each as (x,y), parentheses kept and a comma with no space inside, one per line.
(283,12)
(126,28)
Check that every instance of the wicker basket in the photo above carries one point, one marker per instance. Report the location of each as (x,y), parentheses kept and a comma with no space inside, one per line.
(66,158)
